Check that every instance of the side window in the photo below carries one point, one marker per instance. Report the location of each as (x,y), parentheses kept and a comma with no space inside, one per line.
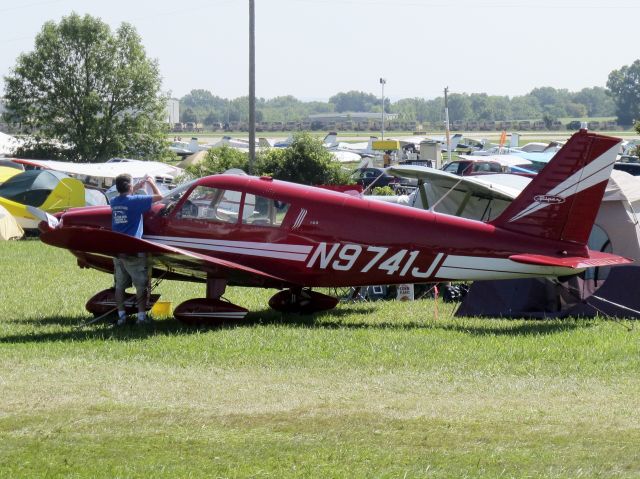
(260,211)
(227,208)
(212,204)
(452,167)
(495,167)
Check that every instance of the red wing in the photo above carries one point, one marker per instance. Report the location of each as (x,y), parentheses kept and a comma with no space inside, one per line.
(107,243)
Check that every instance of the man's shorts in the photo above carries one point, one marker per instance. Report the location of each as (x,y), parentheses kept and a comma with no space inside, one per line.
(131,270)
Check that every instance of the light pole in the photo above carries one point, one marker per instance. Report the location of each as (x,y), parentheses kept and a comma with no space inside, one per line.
(446,122)
(383,81)
(252,87)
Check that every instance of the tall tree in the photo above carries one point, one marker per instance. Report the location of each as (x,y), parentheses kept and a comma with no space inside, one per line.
(91,89)
(596,100)
(355,101)
(624,87)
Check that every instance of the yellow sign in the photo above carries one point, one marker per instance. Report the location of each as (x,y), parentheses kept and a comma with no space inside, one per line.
(385,145)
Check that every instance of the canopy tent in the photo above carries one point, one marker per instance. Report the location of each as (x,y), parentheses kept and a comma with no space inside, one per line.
(9,227)
(31,187)
(50,191)
(6,173)
(8,144)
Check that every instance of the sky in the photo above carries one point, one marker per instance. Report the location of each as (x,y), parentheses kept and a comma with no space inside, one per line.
(313,49)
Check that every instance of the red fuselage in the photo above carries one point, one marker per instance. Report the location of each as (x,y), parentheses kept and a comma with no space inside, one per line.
(332,239)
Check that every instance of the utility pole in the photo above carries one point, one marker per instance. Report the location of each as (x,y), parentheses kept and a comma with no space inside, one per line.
(383,81)
(252,86)
(446,122)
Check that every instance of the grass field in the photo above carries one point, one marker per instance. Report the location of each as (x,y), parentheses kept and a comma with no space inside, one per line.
(367,390)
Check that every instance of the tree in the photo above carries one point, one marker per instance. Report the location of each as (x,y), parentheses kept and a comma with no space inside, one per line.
(355,101)
(459,107)
(188,115)
(91,89)
(624,87)
(596,100)
(525,107)
(219,160)
(305,161)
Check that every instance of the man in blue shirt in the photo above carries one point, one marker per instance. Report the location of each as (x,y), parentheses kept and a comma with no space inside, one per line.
(127,210)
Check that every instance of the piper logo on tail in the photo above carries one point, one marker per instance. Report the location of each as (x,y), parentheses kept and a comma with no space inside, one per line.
(549,199)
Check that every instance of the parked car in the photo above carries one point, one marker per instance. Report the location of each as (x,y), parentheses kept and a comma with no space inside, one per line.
(468,167)
(365,176)
(631,168)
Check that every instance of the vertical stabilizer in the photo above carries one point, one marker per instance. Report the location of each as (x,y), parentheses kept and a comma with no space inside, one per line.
(455,139)
(263,143)
(562,201)
(330,140)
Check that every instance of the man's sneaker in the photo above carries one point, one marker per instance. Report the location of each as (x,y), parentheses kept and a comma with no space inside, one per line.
(143,320)
(121,322)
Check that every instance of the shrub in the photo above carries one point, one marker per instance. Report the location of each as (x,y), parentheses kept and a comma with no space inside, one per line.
(305,161)
(219,160)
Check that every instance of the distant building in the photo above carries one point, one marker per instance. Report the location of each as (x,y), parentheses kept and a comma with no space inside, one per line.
(355,116)
(173,111)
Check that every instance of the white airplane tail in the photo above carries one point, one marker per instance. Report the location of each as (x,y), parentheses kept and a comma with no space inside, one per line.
(370,144)
(455,139)
(330,140)
(264,143)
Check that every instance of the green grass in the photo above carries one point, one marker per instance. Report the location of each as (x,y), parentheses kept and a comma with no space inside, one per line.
(367,390)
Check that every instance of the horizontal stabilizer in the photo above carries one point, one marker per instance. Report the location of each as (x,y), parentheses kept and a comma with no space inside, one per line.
(596,258)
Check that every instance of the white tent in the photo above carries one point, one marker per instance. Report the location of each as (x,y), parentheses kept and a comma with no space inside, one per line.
(9,227)
(8,144)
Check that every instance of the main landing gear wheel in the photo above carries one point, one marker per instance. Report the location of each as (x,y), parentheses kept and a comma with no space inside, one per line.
(302,301)
(208,312)
(105,301)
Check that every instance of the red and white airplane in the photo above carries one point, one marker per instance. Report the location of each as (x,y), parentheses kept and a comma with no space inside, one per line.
(240,230)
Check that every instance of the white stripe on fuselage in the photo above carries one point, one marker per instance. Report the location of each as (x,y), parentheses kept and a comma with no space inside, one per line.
(291,252)
(453,267)
(478,268)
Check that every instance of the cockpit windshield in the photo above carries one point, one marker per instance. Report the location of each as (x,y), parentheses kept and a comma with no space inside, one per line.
(175,194)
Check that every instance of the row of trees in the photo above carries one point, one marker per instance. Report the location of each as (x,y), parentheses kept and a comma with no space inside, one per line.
(94,94)
(201,106)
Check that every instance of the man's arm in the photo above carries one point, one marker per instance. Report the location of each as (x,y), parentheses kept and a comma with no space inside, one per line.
(156,196)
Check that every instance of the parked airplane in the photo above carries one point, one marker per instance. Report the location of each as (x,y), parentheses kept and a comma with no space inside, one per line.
(416,140)
(184,148)
(238,230)
(101,175)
